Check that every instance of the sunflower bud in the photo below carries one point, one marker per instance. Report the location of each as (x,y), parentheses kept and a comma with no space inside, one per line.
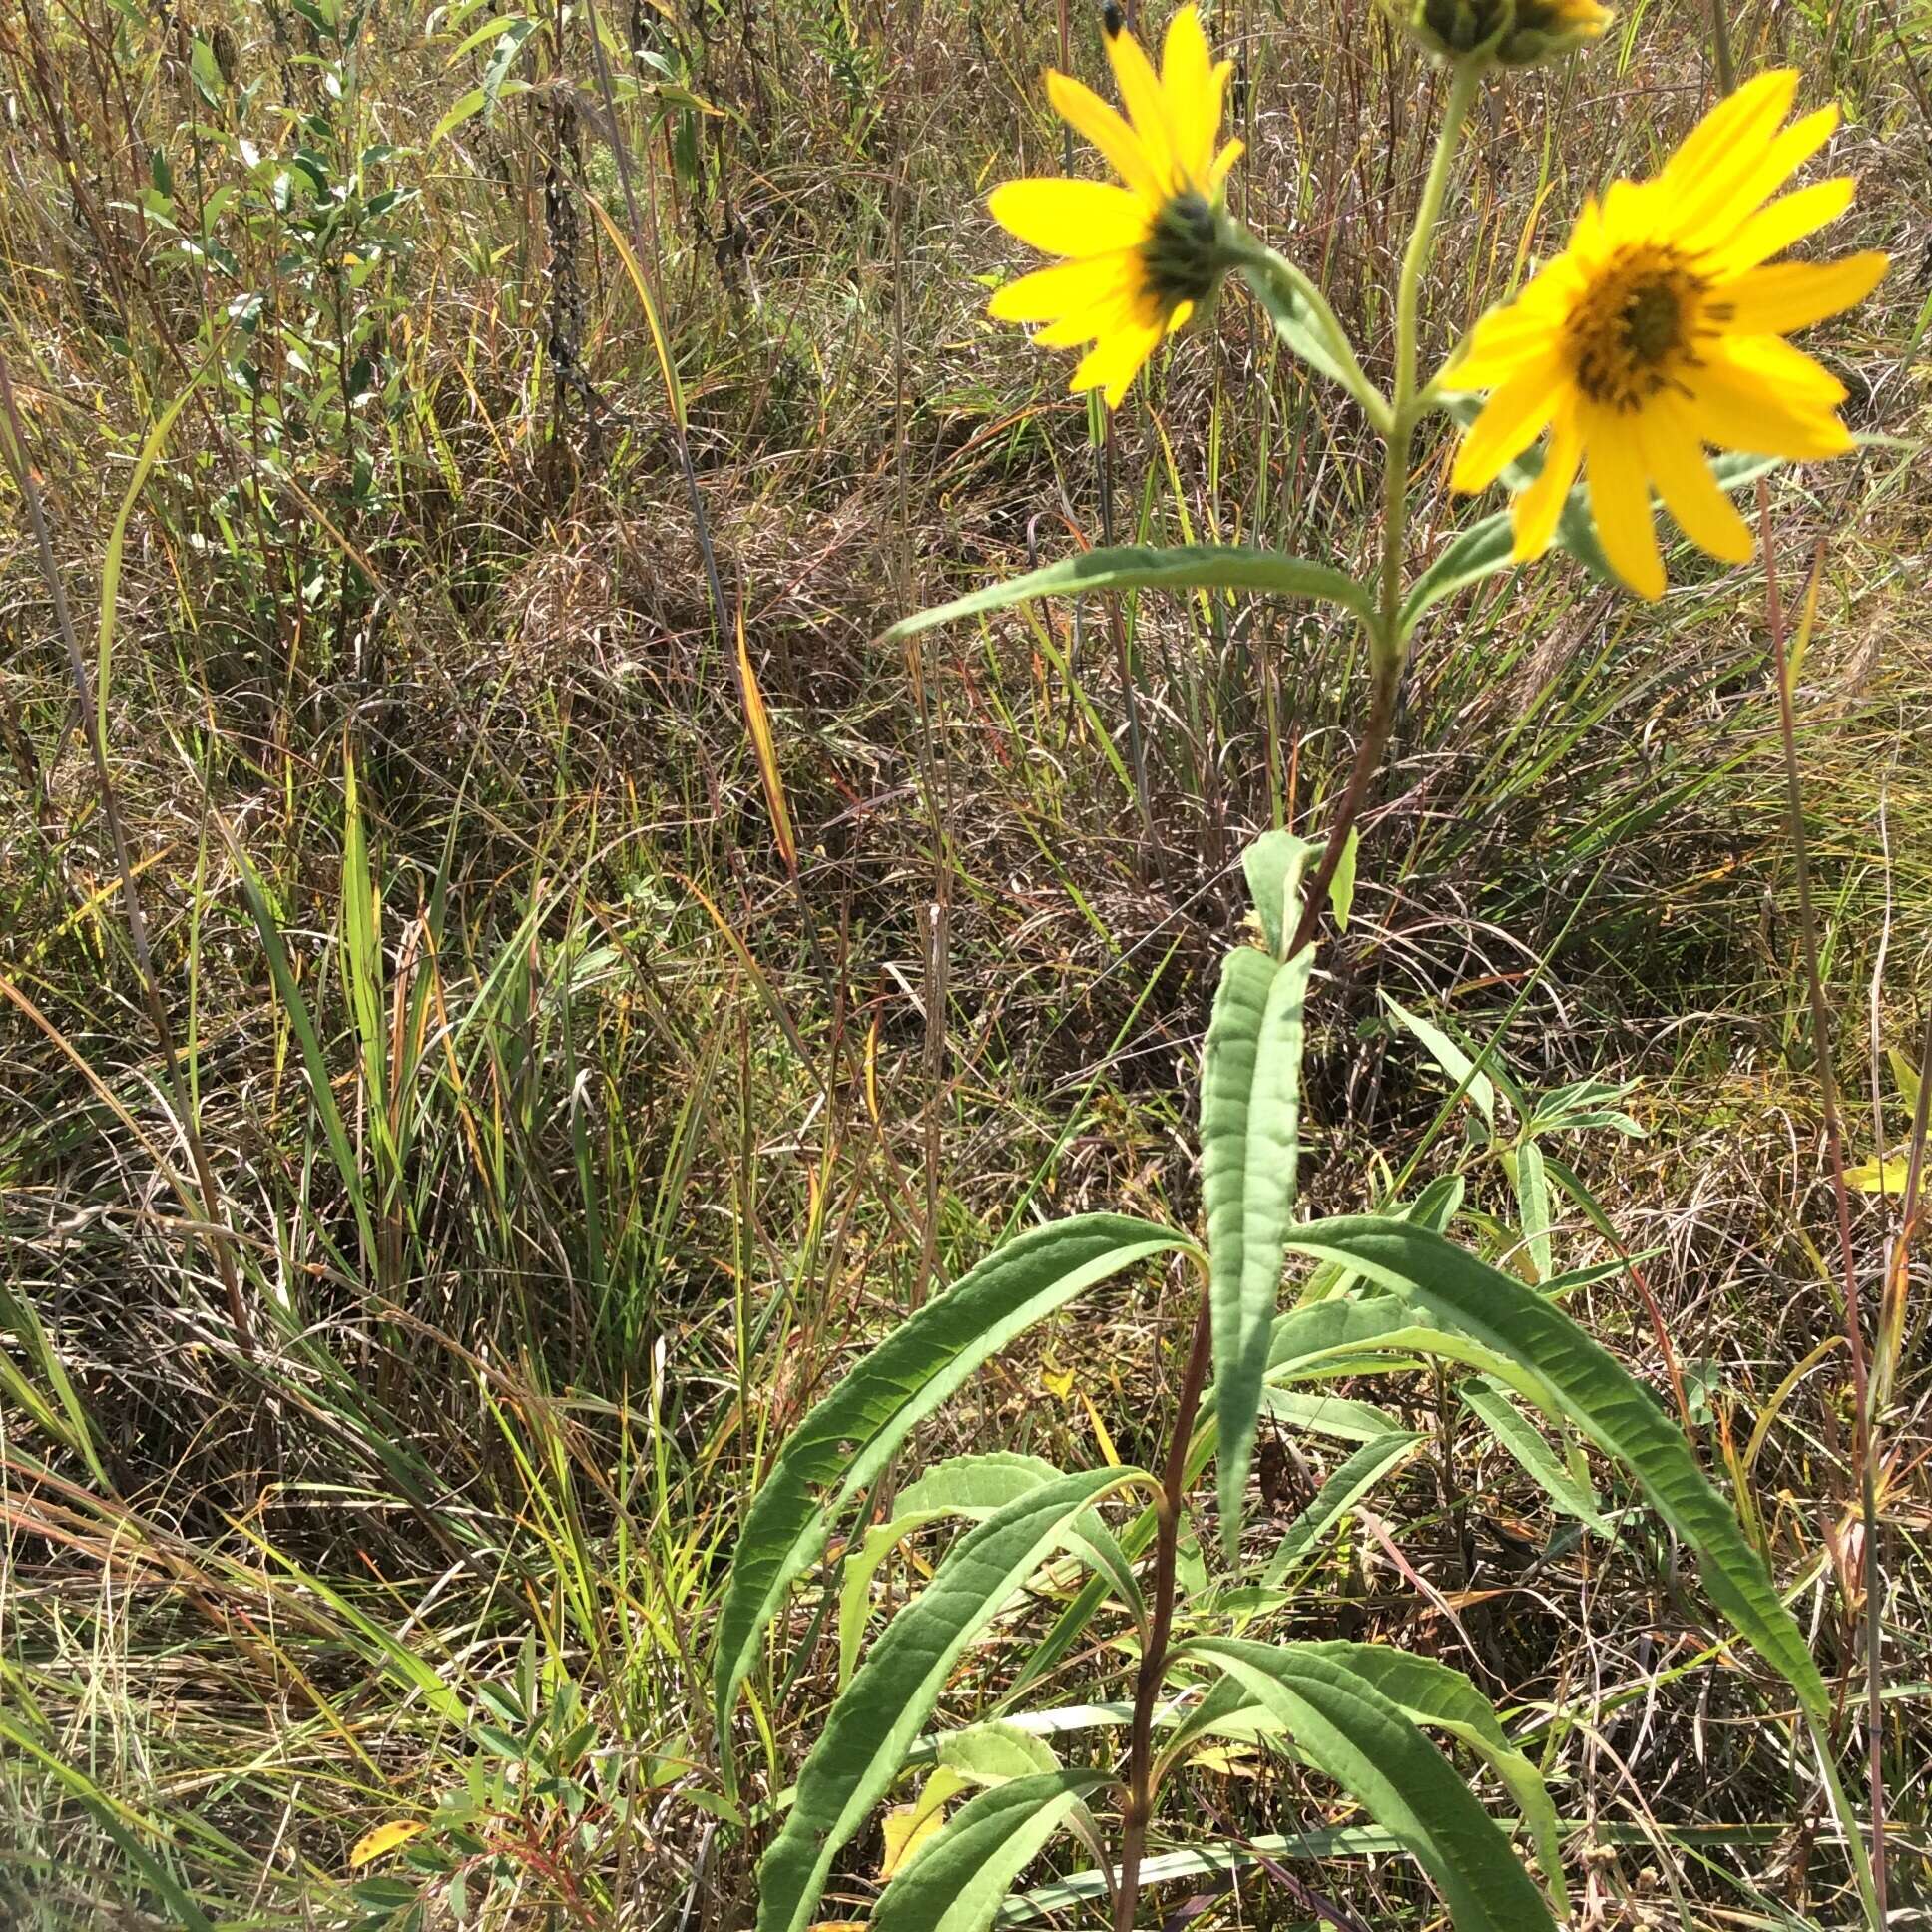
(1512,33)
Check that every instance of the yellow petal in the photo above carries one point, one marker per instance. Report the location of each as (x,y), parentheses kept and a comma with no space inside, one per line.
(384,1838)
(1076,218)
(1750,188)
(1788,373)
(1189,80)
(1221,163)
(1112,364)
(1533,513)
(1732,407)
(1090,324)
(1741,123)
(1705,213)
(1790,295)
(1790,218)
(1675,457)
(1178,320)
(1511,421)
(1620,502)
(1147,105)
(1501,342)
(1067,288)
(1090,115)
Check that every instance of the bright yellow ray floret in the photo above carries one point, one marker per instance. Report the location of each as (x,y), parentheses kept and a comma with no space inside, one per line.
(1142,252)
(1660,331)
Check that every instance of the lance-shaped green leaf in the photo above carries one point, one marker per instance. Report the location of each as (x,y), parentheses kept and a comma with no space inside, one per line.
(1589,1388)
(972,1487)
(1328,1415)
(1307,327)
(1341,1722)
(1250,1106)
(1437,1695)
(1432,1694)
(1133,567)
(880,1712)
(1274,865)
(1350,1481)
(851,1436)
(958,1878)
(1523,1443)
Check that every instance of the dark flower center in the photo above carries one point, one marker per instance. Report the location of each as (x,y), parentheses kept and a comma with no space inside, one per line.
(1637,329)
(1182,254)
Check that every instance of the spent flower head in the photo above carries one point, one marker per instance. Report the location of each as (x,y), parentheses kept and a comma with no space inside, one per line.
(1659,330)
(1145,253)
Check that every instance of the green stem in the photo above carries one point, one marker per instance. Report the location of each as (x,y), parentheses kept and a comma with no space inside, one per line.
(1406,405)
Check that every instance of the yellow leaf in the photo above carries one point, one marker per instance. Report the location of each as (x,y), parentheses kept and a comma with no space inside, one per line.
(1886,1176)
(907,1827)
(1109,1454)
(1055,1379)
(385,1838)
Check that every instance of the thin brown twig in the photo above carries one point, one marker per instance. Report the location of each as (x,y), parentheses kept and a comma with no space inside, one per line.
(1864,1442)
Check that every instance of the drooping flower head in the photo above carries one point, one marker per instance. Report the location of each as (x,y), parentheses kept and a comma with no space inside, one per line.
(1659,330)
(1142,254)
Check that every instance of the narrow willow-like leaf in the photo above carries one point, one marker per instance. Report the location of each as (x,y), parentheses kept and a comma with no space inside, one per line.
(1296,310)
(1589,1388)
(1310,1339)
(1133,567)
(1484,549)
(1523,1443)
(1431,1693)
(1250,1102)
(963,1872)
(972,1487)
(851,1435)
(1477,1087)
(880,1714)
(1340,1416)
(1434,1694)
(1533,1204)
(1350,1481)
(995,1752)
(1348,1728)
(1273,866)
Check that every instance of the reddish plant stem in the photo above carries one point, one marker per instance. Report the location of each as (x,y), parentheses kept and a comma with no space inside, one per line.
(1138,1808)
(1153,1656)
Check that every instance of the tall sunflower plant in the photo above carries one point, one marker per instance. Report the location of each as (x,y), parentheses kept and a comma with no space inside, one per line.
(1650,355)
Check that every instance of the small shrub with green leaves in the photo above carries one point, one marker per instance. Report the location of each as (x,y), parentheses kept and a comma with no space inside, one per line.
(1658,333)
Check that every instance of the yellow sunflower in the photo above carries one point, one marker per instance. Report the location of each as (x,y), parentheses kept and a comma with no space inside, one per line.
(1141,254)
(1659,330)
